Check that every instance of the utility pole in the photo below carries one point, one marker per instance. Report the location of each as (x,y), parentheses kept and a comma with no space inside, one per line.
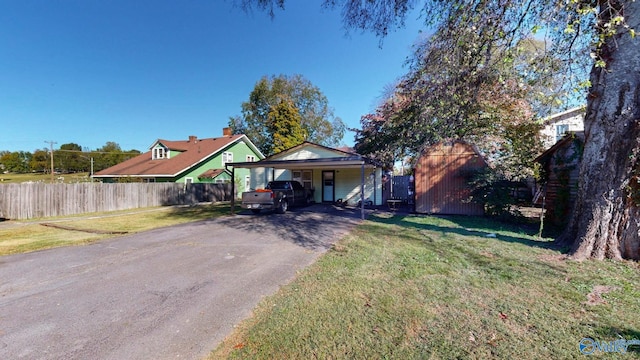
(51,152)
(90,158)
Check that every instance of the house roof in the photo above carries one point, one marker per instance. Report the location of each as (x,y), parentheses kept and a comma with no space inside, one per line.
(342,159)
(464,148)
(212,173)
(308,144)
(569,136)
(193,152)
(334,162)
(565,115)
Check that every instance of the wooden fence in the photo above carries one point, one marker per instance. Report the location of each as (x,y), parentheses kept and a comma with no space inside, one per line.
(35,200)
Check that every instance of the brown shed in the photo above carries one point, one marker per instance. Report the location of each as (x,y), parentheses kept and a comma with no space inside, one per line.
(441,179)
(561,167)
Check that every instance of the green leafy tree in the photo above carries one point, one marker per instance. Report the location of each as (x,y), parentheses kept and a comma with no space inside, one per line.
(69,158)
(3,153)
(16,161)
(456,91)
(111,154)
(40,161)
(606,218)
(283,125)
(387,134)
(316,117)
(493,116)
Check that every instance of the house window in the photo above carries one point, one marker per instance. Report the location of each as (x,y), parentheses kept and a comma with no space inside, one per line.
(251,158)
(159,153)
(304,177)
(227,157)
(188,180)
(561,130)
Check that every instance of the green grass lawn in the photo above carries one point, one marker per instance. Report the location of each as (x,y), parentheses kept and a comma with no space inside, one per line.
(419,287)
(25,236)
(36,177)
(410,287)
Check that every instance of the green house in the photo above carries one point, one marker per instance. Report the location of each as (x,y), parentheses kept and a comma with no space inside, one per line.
(188,161)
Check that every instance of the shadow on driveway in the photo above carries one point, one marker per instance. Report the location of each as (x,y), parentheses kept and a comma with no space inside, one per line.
(314,227)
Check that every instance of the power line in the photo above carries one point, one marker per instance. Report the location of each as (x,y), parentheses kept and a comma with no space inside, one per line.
(100,152)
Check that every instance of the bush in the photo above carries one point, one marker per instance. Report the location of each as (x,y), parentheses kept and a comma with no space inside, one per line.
(498,195)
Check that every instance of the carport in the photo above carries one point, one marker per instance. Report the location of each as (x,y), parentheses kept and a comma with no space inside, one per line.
(333,163)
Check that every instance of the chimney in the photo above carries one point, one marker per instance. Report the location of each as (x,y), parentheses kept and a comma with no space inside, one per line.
(227,131)
(193,139)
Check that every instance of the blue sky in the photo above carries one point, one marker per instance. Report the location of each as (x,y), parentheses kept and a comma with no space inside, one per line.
(133,71)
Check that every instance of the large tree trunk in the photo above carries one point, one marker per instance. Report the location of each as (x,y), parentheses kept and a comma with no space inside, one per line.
(606,216)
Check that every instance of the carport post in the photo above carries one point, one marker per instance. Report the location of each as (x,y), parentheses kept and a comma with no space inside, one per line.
(362,191)
(233,190)
(375,187)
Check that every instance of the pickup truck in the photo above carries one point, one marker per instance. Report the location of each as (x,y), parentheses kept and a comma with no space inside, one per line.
(278,196)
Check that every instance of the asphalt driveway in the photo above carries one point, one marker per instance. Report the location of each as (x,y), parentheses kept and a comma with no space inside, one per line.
(171,293)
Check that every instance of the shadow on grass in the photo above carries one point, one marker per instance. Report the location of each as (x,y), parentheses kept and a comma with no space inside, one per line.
(630,334)
(316,226)
(475,226)
(609,334)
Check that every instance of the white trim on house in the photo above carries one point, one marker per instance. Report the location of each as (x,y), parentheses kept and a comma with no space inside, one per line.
(557,125)
(243,138)
(356,177)
(227,157)
(160,152)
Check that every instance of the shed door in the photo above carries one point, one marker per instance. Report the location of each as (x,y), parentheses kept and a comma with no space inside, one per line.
(328,188)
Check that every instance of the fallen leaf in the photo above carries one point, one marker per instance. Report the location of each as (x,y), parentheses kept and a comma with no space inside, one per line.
(493,340)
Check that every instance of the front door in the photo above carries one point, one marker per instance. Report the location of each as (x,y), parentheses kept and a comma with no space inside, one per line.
(328,189)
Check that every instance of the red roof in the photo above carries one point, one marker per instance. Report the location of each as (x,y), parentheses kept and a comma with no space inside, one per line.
(193,152)
(211,173)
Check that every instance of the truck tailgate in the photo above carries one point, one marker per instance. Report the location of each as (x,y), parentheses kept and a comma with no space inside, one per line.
(257,200)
